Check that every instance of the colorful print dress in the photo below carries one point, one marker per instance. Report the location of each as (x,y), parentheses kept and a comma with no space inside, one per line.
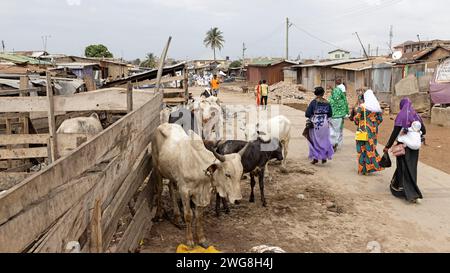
(368,157)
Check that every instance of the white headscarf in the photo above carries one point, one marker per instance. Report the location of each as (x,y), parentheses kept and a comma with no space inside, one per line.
(371,102)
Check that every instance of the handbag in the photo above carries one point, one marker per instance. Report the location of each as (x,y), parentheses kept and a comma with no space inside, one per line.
(399,150)
(385,161)
(362,135)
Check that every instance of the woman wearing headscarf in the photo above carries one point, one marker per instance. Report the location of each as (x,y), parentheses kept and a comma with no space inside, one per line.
(368,116)
(339,106)
(319,112)
(404,181)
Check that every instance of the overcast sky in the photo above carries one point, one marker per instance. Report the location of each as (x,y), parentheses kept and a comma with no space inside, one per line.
(131,28)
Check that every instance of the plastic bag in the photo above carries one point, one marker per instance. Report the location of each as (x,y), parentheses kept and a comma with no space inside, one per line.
(385,161)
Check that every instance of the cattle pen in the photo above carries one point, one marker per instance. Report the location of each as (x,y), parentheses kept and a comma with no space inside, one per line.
(95,195)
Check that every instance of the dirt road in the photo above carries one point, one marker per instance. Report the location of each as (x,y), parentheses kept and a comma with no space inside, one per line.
(326,208)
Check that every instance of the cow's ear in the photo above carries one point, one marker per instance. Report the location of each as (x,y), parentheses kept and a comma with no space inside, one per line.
(212,169)
(94,115)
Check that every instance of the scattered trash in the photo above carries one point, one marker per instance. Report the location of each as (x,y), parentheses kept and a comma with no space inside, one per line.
(301,196)
(374,247)
(266,249)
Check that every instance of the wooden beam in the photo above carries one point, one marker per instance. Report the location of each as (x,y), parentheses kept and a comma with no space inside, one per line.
(135,230)
(23,153)
(113,99)
(23,85)
(96,245)
(23,139)
(162,60)
(53,156)
(129,98)
(154,81)
(9,179)
(66,183)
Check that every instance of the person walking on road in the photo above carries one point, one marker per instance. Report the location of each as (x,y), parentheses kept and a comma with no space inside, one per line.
(319,112)
(368,116)
(264,94)
(258,93)
(404,182)
(339,105)
(215,85)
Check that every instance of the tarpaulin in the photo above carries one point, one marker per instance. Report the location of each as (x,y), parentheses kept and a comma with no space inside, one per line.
(440,85)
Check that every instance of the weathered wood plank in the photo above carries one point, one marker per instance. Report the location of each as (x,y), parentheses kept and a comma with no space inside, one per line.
(113,99)
(23,139)
(23,153)
(53,140)
(117,206)
(134,233)
(18,203)
(96,244)
(9,179)
(154,81)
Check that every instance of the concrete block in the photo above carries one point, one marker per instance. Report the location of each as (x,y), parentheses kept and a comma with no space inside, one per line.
(421,102)
(407,86)
(440,116)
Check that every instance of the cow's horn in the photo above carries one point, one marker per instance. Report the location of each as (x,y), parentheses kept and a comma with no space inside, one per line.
(242,151)
(218,156)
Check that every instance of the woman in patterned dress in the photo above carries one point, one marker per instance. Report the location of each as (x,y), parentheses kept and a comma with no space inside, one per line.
(368,157)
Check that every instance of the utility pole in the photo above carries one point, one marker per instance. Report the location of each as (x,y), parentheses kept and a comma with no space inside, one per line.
(368,49)
(288,25)
(391,36)
(44,41)
(365,53)
(377,51)
(243,53)
(3,46)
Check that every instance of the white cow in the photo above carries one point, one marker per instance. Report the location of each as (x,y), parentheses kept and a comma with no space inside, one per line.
(209,113)
(195,171)
(81,125)
(277,127)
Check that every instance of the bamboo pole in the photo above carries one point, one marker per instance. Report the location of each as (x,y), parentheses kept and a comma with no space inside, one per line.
(161,65)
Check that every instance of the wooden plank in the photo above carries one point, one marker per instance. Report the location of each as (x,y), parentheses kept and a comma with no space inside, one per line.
(154,81)
(174,100)
(18,206)
(14,163)
(117,206)
(73,223)
(134,233)
(23,84)
(96,244)
(53,156)
(9,180)
(23,139)
(22,168)
(23,153)
(129,98)
(112,99)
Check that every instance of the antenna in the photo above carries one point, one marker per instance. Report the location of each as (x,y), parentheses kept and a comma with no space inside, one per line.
(391,36)
(44,41)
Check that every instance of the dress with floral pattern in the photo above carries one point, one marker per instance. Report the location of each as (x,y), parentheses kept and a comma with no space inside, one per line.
(368,157)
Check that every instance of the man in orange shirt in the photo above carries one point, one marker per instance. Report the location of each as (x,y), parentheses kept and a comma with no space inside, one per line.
(215,84)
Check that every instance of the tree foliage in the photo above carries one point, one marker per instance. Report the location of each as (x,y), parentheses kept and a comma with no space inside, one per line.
(97,51)
(214,39)
(235,64)
(150,61)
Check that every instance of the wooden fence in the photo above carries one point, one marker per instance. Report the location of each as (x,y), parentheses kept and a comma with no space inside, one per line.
(83,195)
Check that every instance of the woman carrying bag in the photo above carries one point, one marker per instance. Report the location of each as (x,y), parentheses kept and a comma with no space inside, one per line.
(368,117)
(404,181)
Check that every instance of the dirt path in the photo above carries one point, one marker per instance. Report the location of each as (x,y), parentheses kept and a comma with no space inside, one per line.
(326,208)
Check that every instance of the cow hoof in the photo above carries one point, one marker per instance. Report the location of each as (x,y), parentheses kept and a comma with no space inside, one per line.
(252,200)
(190,244)
(227,211)
(217,214)
(264,204)
(237,202)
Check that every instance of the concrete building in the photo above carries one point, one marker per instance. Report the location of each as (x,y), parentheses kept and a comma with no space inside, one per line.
(411,46)
(338,54)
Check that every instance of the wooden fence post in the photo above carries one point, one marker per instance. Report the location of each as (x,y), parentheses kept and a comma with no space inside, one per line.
(129,97)
(96,242)
(51,121)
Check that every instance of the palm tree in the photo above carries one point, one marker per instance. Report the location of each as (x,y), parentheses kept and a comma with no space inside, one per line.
(150,61)
(214,39)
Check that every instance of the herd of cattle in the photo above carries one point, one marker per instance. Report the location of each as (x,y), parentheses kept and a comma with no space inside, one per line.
(187,150)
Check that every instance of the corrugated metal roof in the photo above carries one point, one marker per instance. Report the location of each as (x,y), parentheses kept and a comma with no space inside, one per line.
(271,62)
(22,59)
(76,65)
(366,64)
(331,63)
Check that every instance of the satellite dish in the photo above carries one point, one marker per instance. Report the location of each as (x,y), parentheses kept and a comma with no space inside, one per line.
(397,55)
